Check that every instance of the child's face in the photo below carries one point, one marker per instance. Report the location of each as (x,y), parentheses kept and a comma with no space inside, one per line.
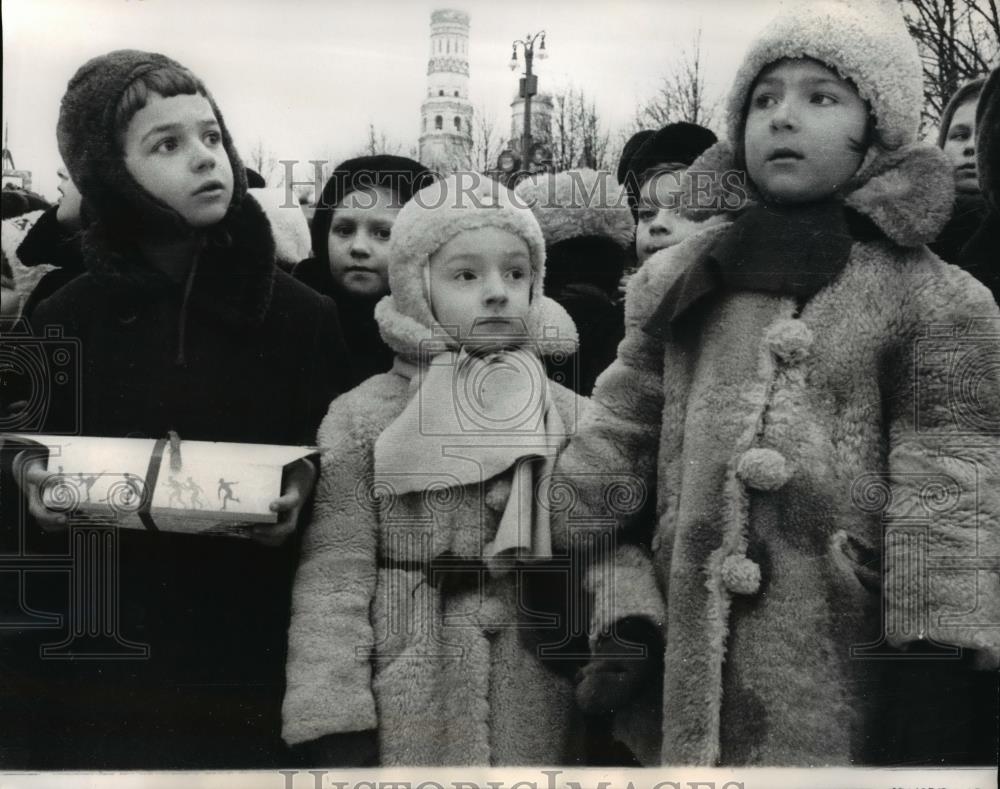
(802,126)
(960,147)
(173,149)
(68,212)
(358,242)
(480,287)
(659,224)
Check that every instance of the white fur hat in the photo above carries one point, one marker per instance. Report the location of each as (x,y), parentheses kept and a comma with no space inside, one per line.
(578,203)
(866,41)
(432,217)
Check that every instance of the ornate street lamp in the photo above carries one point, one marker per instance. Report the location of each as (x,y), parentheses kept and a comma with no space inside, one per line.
(529,82)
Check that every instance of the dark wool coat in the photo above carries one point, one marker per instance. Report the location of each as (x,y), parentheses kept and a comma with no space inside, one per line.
(249,356)
(369,354)
(782,439)
(981,255)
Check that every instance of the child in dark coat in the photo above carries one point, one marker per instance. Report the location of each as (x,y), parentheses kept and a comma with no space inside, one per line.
(184,324)
(350,232)
(957,138)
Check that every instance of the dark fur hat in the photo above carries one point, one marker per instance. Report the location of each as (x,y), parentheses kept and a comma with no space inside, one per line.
(398,173)
(633,145)
(675,143)
(90,145)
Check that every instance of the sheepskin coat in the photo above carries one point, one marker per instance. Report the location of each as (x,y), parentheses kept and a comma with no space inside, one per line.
(785,442)
(447,672)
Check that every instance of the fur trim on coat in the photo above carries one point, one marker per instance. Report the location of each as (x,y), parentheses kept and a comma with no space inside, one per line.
(785,443)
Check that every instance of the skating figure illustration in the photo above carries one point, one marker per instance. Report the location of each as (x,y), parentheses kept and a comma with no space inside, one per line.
(195,490)
(86,481)
(176,492)
(226,492)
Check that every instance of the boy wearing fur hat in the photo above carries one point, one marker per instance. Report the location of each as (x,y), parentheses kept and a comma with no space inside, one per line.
(588,231)
(414,631)
(774,376)
(651,178)
(185,324)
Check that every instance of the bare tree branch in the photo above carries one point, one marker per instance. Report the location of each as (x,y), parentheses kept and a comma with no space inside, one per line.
(958,40)
(682,95)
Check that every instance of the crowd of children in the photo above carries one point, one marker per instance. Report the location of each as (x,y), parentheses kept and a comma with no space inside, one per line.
(547,526)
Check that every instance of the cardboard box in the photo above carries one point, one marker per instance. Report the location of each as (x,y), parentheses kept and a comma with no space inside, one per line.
(195,487)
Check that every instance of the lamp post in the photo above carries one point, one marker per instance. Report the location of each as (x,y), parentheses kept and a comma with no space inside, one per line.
(529,83)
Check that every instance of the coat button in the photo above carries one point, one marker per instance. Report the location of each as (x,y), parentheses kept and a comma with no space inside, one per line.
(741,575)
(763,469)
(789,339)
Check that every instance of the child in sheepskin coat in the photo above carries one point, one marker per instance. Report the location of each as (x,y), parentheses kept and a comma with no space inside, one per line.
(798,384)
(410,620)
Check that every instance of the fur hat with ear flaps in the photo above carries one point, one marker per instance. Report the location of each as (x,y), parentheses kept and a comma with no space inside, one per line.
(905,187)
(578,203)
(91,144)
(435,215)
(236,288)
(865,41)
(587,224)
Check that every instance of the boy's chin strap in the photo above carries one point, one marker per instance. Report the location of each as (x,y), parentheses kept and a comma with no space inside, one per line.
(793,250)
(471,418)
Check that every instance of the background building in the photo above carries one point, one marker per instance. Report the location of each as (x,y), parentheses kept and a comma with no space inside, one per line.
(446,112)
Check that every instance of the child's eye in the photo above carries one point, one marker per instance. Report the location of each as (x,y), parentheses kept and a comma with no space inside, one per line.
(516,273)
(166,145)
(823,99)
(213,138)
(764,100)
(961,134)
(382,233)
(344,231)
(646,215)
(465,276)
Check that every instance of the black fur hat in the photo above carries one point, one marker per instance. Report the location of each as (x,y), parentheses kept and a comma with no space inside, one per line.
(679,143)
(633,144)
(401,175)
(90,145)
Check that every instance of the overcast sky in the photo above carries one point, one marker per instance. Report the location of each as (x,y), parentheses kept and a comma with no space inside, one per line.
(307,76)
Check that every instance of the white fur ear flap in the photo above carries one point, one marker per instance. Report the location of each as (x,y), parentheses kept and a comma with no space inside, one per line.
(289,227)
(553,328)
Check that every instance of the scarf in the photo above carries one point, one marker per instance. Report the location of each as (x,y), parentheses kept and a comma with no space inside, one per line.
(794,250)
(471,417)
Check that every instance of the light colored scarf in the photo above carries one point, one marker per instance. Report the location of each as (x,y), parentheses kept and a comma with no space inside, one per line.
(471,417)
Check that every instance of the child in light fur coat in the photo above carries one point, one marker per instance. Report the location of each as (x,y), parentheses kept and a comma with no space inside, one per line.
(418,631)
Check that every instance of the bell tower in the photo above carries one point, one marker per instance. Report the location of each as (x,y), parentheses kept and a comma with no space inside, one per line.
(446,112)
